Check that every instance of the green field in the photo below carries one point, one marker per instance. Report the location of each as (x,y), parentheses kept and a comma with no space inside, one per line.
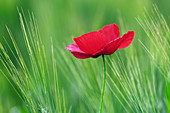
(38,75)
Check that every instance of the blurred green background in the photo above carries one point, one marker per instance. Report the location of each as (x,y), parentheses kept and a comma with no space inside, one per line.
(64,19)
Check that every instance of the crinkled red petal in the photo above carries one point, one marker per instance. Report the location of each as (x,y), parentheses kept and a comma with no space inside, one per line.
(91,42)
(74,49)
(127,39)
(81,55)
(111,47)
(111,31)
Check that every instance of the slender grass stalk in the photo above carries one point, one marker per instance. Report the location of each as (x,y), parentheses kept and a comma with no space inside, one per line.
(104,83)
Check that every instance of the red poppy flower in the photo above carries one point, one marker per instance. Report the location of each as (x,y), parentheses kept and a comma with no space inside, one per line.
(102,42)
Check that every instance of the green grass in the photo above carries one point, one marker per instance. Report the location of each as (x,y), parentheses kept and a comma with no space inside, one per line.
(38,86)
(137,78)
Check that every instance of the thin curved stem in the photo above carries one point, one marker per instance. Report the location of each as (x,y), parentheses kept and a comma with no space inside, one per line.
(104,83)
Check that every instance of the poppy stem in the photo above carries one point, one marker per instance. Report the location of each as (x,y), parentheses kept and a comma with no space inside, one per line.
(104,83)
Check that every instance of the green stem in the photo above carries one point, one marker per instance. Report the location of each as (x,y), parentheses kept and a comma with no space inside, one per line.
(104,83)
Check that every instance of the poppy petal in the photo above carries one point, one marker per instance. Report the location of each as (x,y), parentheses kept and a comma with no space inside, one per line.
(74,49)
(110,31)
(111,47)
(127,39)
(91,42)
(81,55)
